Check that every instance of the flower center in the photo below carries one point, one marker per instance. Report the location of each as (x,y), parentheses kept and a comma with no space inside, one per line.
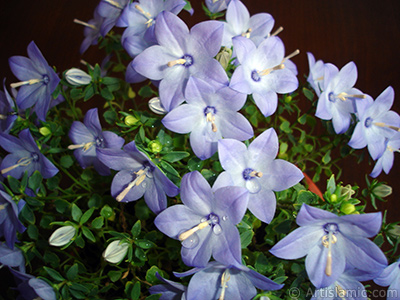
(46,79)
(249,174)
(186,61)
(99,142)
(327,241)
(247,33)
(210,112)
(332,97)
(368,122)
(35,156)
(255,76)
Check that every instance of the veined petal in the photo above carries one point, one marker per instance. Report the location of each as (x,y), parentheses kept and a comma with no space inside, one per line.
(202,145)
(308,215)
(227,248)
(28,95)
(47,169)
(196,88)
(42,106)
(171,90)
(80,134)
(261,25)
(267,102)
(92,121)
(231,202)
(23,68)
(237,16)
(11,143)
(208,35)
(183,118)
(265,146)
(358,140)
(155,196)
(388,275)
(346,78)
(224,179)
(231,154)
(121,180)
(204,285)
(201,254)
(112,140)
(243,47)
(263,205)
(262,282)
(117,159)
(171,32)
(367,225)
(282,175)
(234,125)
(385,100)
(37,58)
(196,193)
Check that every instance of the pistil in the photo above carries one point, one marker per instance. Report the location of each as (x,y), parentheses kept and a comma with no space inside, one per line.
(85,146)
(114,3)
(3,206)
(256,174)
(293,54)
(344,96)
(211,118)
(247,33)
(381,124)
(140,176)
(267,71)
(145,13)
(3,117)
(184,235)
(276,32)
(226,276)
(28,82)
(341,292)
(180,61)
(85,24)
(327,241)
(21,162)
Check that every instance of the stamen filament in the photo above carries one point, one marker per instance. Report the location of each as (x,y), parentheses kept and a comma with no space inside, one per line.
(148,23)
(380,124)
(183,236)
(393,149)
(328,268)
(319,78)
(341,292)
(85,146)
(293,54)
(141,175)
(247,33)
(213,1)
(180,61)
(114,3)
(84,24)
(256,174)
(211,118)
(343,96)
(276,32)
(85,63)
(3,206)
(21,83)
(267,71)
(22,162)
(3,117)
(226,276)
(145,13)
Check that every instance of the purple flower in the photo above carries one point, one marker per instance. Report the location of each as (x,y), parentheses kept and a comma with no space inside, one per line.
(7,112)
(24,156)
(12,258)
(239,23)
(38,81)
(217,281)
(181,54)
(9,222)
(215,6)
(111,11)
(91,31)
(316,76)
(376,123)
(31,287)
(336,103)
(209,115)
(170,290)
(262,72)
(385,162)
(87,137)
(205,222)
(137,176)
(390,277)
(331,243)
(256,169)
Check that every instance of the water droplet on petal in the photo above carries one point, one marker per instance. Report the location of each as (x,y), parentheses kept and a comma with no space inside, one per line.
(203,220)
(217,229)
(224,218)
(191,242)
(253,186)
(144,184)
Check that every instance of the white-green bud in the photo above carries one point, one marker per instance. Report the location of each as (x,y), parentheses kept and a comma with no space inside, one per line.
(115,251)
(77,77)
(382,190)
(156,106)
(224,56)
(62,236)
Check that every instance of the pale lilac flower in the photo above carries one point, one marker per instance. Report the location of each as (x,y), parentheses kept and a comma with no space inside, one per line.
(338,100)
(205,222)
(169,290)
(91,31)
(24,156)
(385,161)
(218,281)
(316,75)
(332,243)
(376,123)
(390,277)
(239,23)
(9,222)
(215,6)
(7,113)
(256,169)
(87,137)
(31,287)
(262,72)
(181,54)
(38,81)
(137,176)
(111,11)
(209,115)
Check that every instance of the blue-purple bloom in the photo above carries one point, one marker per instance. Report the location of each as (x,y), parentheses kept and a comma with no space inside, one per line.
(24,156)
(262,72)
(170,290)
(205,222)
(239,23)
(337,102)
(385,161)
(256,169)
(7,112)
(390,277)
(87,137)
(9,222)
(376,123)
(332,243)
(209,115)
(12,258)
(31,287)
(181,54)
(137,176)
(218,281)
(215,6)
(38,81)
(111,11)
(91,31)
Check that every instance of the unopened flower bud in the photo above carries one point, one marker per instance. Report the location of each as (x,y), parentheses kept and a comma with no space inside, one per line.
(382,190)
(333,198)
(347,208)
(155,146)
(156,106)
(77,77)
(224,56)
(62,236)
(115,251)
(395,231)
(44,131)
(130,120)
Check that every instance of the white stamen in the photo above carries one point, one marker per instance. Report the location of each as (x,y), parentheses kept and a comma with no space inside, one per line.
(226,276)
(141,175)
(3,117)
(180,61)
(380,124)
(256,174)
(328,268)
(276,32)
(31,81)
(183,236)
(293,54)
(114,3)
(391,149)
(21,162)
(213,1)
(320,78)
(267,71)
(145,13)
(344,96)
(84,24)
(211,118)
(3,206)
(341,292)
(247,33)
(85,146)
(149,22)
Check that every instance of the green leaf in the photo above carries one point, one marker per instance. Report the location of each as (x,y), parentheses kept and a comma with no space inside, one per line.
(106,212)
(135,293)
(110,116)
(309,94)
(246,237)
(139,253)
(175,156)
(112,84)
(33,232)
(98,222)
(88,234)
(76,212)
(28,215)
(262,264)
(95,201)
(61,205)
(66,161)
(72,272)
(327,157)
(142,211)
(144,244)
(96,72)
(54,274)
(53,182)
(35,180)
(89,92)
(106,94)
(195,164)
(151,274)
(285,127)
(303,119)
(153,297)
(79,241)
(114,275)
(14,184)
(146,91)
(136,228)
(76,94)
(86,216)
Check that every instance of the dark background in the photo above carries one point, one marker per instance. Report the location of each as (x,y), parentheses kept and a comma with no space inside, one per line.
(364,31)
